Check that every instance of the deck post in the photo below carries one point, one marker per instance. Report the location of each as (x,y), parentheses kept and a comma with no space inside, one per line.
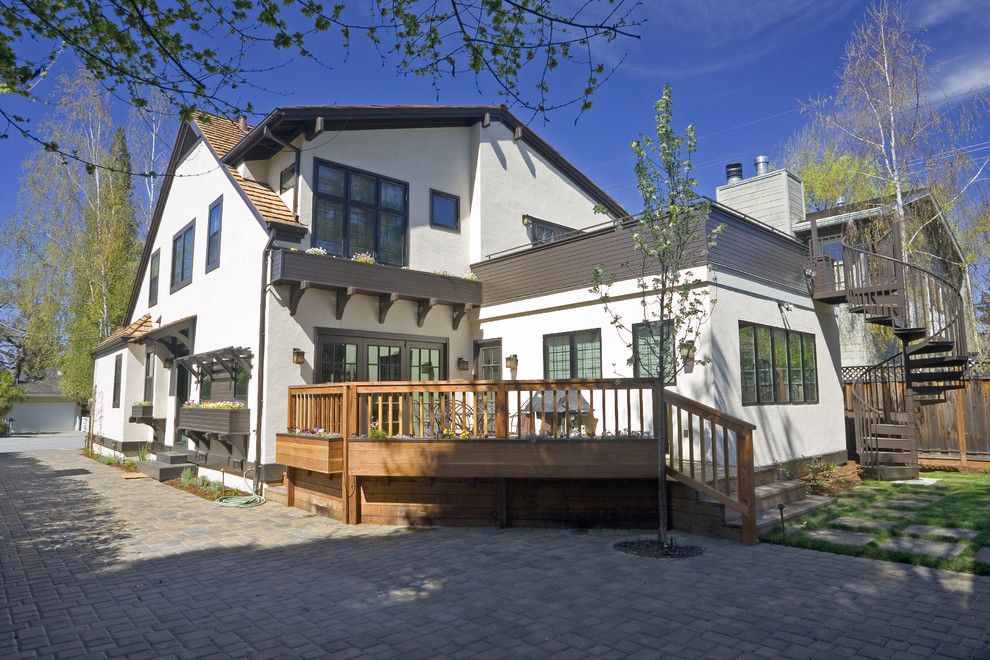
(747,486)
(961,419)
(346,428)
(501,411)
(290,487)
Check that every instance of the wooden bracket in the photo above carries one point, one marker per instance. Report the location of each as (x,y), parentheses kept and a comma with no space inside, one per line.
(343,297)
(423,307)
(315,130)
(385,302)
(295,295)
(460,310)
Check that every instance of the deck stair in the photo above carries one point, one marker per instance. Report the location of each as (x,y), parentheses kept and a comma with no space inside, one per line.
(925,312)
(792,493)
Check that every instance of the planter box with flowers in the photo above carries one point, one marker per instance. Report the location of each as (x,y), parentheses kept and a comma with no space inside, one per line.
(142,410)
(310,449)
(221,417)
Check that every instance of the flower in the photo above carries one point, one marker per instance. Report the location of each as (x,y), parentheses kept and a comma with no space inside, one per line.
(363,257)
(214,405)
(316,250)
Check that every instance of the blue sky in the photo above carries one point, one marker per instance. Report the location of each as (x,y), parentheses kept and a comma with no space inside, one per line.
(739,70)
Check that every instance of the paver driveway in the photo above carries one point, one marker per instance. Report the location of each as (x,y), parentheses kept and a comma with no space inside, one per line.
(92,563)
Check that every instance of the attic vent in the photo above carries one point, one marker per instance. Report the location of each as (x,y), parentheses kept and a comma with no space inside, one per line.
(242,124)
(762,164)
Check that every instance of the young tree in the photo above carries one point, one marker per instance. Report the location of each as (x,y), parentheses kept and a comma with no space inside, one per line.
(672,299)
(198,53)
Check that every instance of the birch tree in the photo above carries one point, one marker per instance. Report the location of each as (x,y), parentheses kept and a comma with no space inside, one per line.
(668,235)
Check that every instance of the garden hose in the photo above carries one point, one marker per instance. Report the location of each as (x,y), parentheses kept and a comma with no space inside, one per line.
(240,501)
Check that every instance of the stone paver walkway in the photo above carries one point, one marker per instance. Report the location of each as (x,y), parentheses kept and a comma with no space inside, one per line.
(91,563)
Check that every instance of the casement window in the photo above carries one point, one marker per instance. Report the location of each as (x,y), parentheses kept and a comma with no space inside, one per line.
(355,212)
(287,179)
(489,359)
(573,355)
(182,256)
(149,376)
(541,232)
(647,341)
(445,210)
(153,269)
(213,226)
(778,366)
(118,364)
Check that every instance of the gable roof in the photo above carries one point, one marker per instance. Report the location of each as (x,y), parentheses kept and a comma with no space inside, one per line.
(282,125)
(135,330)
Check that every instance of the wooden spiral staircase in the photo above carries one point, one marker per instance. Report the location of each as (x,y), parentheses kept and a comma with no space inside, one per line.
(926,313)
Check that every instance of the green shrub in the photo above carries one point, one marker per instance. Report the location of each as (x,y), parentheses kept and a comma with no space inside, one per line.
(187,478)
(143,452)
(820,471)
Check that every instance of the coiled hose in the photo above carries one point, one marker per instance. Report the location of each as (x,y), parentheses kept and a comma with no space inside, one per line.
(240,501)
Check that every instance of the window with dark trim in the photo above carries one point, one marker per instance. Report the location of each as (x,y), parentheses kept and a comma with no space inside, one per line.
(118,363)
(153,278)
(149,376)
(573,355)
(287,179)
(778,365)
(541,232)
(213,226)
(647,339)
(356,212)
(182,256)
(488,354)
(445,210)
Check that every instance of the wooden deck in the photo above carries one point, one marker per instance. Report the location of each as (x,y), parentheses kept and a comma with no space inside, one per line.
(507,452)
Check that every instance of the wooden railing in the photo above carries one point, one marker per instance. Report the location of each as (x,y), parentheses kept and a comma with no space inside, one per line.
(708,450)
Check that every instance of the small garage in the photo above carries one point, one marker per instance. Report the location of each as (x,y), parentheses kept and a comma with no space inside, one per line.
(45,409)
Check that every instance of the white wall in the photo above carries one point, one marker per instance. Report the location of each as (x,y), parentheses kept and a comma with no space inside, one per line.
(110,422)
(784,431)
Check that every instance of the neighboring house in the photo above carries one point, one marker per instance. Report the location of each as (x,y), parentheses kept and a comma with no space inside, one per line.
(45,409)
(485,239)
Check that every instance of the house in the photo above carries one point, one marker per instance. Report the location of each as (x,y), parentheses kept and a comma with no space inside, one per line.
(388,273)
(44,409)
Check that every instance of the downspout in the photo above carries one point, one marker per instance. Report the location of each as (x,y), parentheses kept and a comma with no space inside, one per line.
(262,323)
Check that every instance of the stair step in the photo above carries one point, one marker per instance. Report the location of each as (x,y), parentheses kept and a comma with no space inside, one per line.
(894,457)
(936,389)
(897,472)
(277,494)
(901,417)
(163,471)
(948,361)
(898,430)
(889,443)
(172,457)
(935,376)
(931,346)
(910,333)
(770,519)
(770,495)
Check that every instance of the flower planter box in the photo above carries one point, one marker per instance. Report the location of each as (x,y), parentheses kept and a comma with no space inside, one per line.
(224,421)
(308,452)
(142,412)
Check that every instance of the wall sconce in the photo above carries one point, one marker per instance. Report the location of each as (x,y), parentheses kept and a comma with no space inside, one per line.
(167,363)
(512,362)
(298,356)
(687,350)
(463,364)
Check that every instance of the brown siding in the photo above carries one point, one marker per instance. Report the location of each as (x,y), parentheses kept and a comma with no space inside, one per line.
(758,251)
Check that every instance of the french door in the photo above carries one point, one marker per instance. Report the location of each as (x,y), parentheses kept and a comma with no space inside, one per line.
(378,357)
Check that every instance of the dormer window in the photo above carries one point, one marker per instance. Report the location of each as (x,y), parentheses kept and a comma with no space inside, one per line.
(287,179)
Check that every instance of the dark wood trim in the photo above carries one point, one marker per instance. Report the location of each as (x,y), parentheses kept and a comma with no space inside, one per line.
(296,291)
(322,334)
(423,308)
(385,302)
(457,211)
(156,259)
(216,264)
(343,296)
(573,351)
(458,312)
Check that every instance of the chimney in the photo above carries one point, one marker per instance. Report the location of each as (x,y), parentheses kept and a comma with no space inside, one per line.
(733,173)
(762,164)
(242,124)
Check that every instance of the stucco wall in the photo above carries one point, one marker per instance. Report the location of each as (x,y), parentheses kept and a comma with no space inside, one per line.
(106,420)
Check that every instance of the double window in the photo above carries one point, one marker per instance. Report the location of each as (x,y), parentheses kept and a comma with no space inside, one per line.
(777,365)
(573,355)
(649,339)
(213,235)
(153,278)
(182,256)
(356,212)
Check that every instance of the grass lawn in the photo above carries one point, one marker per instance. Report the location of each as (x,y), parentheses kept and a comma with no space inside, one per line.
(960,501)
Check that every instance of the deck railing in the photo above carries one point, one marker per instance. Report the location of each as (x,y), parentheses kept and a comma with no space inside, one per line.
(707,449)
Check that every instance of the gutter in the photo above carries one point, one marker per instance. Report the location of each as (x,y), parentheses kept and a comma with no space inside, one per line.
(234,154)
(260,398)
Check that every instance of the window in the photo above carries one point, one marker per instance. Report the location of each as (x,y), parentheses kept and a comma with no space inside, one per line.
(287,179)
(218,385)
(542,232)
(647,338)
(490,359)
(777,365)
(359,212)
(182,257)
(573,355)
(445,210)
(153,278)
(118,362)
(213,235)
(149,376)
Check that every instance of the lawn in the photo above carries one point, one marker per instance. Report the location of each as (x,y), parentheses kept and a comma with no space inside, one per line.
(958,500)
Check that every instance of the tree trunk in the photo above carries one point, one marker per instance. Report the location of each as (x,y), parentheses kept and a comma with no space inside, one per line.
(661,425)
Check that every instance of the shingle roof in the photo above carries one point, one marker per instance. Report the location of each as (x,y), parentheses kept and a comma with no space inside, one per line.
(139,328)
(223,134)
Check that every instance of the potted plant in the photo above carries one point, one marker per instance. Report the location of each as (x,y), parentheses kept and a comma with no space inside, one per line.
(222,417)
(142,410)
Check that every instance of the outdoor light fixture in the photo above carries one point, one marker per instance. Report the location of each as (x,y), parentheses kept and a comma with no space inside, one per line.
(512,362)
(298,356)
(463,364)
(167,363)
(687,350)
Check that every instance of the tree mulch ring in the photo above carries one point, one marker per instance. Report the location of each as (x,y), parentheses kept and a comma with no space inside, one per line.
(657,550)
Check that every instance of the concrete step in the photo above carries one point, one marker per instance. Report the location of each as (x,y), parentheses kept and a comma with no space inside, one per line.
(276,495)
(164,471)
(769,496)
(173,457)
(767,520)
(896,472)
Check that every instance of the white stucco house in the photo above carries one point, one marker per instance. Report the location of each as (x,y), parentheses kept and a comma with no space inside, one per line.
(484,238)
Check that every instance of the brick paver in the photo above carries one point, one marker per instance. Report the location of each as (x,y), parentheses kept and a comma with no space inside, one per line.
(91,563)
